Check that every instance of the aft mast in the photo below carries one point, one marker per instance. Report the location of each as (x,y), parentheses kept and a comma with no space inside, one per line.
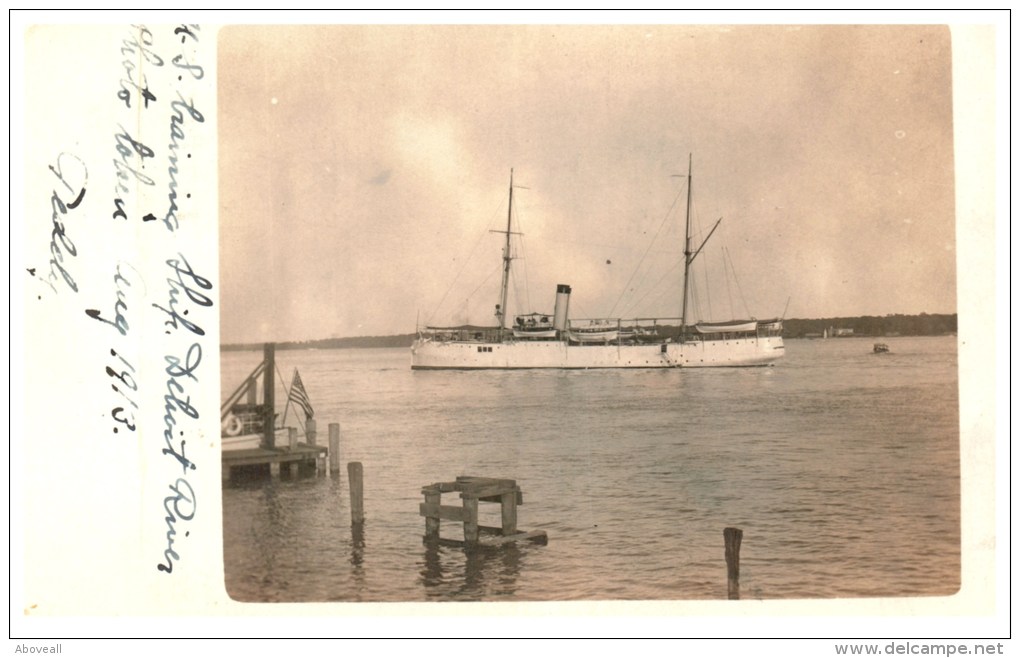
(687,251)
(689,256)
(501,307)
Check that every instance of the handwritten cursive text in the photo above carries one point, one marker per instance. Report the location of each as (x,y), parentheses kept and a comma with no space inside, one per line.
(73,176)
(191,284)
(177,135)
(179,506)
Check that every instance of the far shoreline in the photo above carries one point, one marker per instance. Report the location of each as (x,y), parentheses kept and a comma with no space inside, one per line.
(865,326)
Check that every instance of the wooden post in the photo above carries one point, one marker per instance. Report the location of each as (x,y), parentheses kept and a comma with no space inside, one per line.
(732,537)
(292,469)
(269,396)
(470,520)
(508,505)
(334,447)
(355,480)
(432,522)
(291,438)
(274,469)
(310,432)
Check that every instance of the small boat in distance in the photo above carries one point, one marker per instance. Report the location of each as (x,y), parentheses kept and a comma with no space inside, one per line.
(556,341)
(881,348)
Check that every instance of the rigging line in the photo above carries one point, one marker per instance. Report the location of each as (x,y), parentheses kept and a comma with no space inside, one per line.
(699,291)
(455,279)
(662,292)
(740,291)
(652,242)
(695,297)
(581,312)
(463,265)
(633,308)
(708,293)
(241,390)
(727,266)
(523,258)
(519,305)
(484,281)
(286,391)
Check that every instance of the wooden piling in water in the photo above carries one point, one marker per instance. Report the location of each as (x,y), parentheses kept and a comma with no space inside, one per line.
(432,500)
(311,438)
(355,475)
(269,397)
(334,447)
(732,537)
(508,513)
(470,520)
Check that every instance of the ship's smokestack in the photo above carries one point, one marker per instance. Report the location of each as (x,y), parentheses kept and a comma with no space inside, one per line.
(562,307)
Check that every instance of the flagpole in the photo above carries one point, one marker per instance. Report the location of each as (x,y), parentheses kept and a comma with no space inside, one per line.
(286,409)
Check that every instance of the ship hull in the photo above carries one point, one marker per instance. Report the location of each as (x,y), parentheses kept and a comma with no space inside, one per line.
(468,355)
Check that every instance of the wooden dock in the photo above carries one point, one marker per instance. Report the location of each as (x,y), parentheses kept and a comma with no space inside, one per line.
(246,421)
(300,459)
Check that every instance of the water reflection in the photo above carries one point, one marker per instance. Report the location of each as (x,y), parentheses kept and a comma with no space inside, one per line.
(358,546)
(269,543)
(357,587)
(471,574)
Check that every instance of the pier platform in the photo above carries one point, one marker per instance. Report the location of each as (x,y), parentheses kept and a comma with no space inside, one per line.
(293,459)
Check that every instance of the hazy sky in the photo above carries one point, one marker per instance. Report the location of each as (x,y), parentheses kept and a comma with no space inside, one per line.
(362,168)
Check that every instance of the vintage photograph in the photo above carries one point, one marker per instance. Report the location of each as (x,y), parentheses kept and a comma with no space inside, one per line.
(577,313)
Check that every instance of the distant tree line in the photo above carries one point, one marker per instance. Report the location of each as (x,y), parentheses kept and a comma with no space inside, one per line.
(870,325)
(400,340)
(866,325)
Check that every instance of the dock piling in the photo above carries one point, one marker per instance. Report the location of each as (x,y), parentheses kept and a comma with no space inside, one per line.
(508,513)
(310,432)
(432,499)
(732,538)
(334,447)
(355,475)
(269,397)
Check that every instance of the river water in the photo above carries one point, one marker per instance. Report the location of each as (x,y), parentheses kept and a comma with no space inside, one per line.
(840,466)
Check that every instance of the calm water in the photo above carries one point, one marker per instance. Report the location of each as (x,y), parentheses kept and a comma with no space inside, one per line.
(841,467)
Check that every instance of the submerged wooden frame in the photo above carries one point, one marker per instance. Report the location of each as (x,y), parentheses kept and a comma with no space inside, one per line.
(473,490)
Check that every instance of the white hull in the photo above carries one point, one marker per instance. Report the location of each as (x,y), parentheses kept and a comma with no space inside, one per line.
(243,442)
(252,441)
(466,355)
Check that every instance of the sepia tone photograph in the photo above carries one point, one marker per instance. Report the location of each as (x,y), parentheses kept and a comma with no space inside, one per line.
(552,325)
(515,313)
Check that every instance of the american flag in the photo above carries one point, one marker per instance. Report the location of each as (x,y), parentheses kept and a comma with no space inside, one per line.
(299,396)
